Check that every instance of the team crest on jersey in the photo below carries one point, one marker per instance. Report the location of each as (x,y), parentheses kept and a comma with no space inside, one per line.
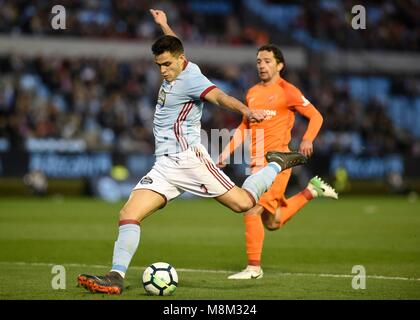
(161,98)
(204,188)
(146,180)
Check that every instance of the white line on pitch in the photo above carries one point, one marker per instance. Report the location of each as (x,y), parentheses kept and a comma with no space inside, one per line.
(326,275)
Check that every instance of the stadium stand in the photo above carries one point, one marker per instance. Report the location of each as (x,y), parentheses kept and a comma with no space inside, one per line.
(321,24)
(108,103)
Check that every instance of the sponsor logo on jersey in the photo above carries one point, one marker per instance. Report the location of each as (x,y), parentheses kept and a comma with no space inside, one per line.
(161,98)
(146,180)
(269,113)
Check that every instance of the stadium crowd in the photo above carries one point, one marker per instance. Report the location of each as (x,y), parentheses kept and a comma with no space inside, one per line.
(393,25)
(110,105)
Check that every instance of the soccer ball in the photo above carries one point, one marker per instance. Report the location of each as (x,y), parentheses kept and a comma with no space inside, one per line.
(160,279)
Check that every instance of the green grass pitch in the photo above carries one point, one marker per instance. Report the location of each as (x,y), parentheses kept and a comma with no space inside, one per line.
(310,258)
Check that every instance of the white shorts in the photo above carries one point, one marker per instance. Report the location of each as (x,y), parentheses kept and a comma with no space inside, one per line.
(191,170)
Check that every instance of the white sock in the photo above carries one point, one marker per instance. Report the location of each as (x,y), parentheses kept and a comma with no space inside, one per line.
(259,182)
(125,247)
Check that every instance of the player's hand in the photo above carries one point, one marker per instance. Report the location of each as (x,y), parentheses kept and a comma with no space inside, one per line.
(220,164)
(306,148)
(159,16)
(256,115)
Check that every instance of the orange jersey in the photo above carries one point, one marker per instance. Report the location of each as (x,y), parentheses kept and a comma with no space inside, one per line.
(280,101)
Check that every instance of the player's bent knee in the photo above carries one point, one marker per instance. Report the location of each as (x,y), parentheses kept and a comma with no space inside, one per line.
(237,200)
(246,206)
(237,208)
(242,206)
(269,221)
(272,227)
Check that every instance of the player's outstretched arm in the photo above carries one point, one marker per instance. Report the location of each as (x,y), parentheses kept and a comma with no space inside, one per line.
(219,98)
(160,18)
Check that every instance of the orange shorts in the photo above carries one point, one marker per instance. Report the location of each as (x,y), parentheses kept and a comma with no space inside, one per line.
(274,197)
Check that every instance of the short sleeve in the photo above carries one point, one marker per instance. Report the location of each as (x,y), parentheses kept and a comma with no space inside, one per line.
(199,86)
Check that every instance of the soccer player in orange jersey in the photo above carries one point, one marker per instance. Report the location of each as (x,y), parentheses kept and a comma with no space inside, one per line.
(280,100)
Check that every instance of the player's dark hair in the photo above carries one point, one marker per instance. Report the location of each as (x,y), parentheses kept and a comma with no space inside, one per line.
(278,55)
(168,43)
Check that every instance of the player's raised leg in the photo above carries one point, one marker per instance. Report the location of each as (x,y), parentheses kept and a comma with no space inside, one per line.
(140,204)
(243,199)
(275,213)
(316,188)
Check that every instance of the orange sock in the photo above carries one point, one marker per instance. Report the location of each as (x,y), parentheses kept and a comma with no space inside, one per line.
(254,234)
(294,204)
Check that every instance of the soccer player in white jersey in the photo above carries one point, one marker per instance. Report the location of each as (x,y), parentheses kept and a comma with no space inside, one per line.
(182,163)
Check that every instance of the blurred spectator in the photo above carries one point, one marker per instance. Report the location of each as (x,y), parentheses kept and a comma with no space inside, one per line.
(110,105)
(198,21)
(392,25)
(37,182)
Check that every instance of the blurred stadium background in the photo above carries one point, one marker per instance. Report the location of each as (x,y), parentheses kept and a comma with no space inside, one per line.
(76,105)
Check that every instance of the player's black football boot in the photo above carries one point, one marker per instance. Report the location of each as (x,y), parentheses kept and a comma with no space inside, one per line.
(286,160)
(111,283)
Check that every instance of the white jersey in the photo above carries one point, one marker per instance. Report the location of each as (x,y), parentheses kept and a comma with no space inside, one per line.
(177,120)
